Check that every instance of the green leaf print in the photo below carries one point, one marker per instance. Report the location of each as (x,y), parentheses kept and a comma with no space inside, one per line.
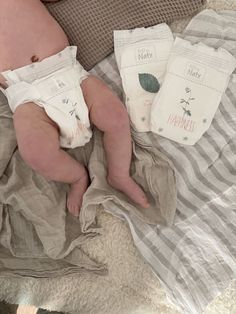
(149,82)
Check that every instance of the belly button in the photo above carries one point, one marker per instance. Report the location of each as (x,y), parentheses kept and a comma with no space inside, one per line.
(34,58)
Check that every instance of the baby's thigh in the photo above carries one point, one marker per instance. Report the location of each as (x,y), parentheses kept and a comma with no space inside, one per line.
(34,129)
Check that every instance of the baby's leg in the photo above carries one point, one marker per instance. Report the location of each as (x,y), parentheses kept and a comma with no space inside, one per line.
(110,116)
(38,143)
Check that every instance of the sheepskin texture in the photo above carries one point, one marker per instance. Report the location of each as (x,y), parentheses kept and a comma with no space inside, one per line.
(130,286)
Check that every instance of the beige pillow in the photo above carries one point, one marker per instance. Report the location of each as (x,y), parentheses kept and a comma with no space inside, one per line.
(89,24)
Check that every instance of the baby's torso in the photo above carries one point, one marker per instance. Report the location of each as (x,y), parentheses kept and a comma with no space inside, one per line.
(27,33)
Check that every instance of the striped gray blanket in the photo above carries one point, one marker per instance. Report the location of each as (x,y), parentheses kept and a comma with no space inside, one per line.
(195,258)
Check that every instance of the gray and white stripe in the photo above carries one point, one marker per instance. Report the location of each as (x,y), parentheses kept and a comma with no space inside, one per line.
(195,258)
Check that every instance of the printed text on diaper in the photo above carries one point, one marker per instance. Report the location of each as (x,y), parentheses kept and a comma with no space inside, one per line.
(145,54)
(182,123)
(195,72)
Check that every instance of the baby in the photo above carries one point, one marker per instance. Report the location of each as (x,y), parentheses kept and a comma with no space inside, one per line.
(31,42)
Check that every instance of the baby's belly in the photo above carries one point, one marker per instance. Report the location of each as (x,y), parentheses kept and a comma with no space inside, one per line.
(28,33)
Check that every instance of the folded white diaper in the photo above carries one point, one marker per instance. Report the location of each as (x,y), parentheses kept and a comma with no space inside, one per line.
(142,55)
(196,78)
(54,84)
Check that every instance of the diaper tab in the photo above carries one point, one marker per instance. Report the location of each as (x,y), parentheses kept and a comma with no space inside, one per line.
(196,78)
(83,74)
(20,93)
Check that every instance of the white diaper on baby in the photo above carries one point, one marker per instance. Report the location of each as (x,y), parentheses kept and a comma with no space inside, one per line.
(196,78)
(54,84)
(142,55)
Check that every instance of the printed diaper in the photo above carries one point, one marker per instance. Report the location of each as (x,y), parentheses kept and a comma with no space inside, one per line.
(196,78)
(142,56)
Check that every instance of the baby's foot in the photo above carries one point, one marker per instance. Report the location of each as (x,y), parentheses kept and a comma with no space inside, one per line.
(75,195)
(128,186)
